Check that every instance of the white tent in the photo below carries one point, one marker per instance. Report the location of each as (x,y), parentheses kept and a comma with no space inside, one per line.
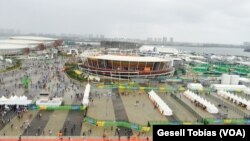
(211,108)
(85,100)
(236,99)
(195,86)
(162,106)
(15,100)
(12,100)
(229,87)
(247,91)
(3,100)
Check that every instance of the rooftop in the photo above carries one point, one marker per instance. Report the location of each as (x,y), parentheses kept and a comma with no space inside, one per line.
(33,38)
(129,58)
(15,46)
(13,41)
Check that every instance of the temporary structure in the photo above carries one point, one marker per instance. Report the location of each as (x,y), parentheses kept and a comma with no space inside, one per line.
(3,100)
(235,99)
(229,87)
(15,100)
(211,108)
(85,100)
(162,106)
(49,102)
(195,86)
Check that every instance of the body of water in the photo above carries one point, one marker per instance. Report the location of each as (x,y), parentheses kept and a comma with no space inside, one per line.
(215,50)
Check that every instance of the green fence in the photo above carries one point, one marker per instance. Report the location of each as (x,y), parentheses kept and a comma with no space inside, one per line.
(66,107)
(102,123)
(228,121)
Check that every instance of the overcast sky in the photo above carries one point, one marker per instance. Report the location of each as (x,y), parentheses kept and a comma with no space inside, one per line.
(221,21)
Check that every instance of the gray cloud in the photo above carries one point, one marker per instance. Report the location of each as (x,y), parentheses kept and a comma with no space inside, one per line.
(224,21)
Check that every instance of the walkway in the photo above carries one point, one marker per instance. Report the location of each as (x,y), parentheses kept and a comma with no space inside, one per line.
(38,124)
(120,112)
(73,123)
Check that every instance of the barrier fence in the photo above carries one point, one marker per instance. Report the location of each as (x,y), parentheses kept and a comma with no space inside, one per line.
(142,128)
(66,107)
(102,123)
(136,88)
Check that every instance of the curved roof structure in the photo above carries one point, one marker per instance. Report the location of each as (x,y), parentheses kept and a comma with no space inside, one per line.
(24,42)
(33,38)
(129,58)
(15,46)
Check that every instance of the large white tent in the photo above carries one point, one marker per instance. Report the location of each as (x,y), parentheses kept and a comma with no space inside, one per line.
(85,100)
(162,106)
(234,98)
(247,91)
(211,108)
(15,100)
(229,87)
(3,100)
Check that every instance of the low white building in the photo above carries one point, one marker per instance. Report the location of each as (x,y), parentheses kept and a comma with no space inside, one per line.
(73,51)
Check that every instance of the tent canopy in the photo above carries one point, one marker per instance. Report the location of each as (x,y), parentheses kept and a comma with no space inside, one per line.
(211,108)
(163,107)
(85,100)
(15,100)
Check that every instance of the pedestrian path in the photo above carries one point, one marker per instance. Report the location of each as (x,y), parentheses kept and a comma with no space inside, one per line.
(8,117)
(73,123)
(120,113)
(56,122)
(38,124)
(16,124)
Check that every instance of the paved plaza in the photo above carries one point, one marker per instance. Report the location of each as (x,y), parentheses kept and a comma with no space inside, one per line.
(106,104)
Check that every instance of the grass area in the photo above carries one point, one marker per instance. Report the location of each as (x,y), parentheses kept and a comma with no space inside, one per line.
(70,71)
(16,66)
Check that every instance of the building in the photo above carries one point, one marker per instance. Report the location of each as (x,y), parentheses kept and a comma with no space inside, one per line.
(53,42)
(171,39)
(126,66)
(25,44)
(149,49)
(164,40)
(13,49)
(119,44)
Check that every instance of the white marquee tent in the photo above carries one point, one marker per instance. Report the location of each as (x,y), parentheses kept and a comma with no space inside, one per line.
(211,108)
(236,99)
(163,107)
(15,100)
(229,87)
(85,100)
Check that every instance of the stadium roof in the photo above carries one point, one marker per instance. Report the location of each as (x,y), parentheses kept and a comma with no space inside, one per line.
(129,58)
(24,42)
(33,38)
(14,46)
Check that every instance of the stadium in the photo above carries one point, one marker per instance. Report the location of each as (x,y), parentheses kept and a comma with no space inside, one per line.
(125,65)
(24,44)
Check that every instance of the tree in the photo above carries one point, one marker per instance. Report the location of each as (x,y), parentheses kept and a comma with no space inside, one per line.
(41,47)
(26,50)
